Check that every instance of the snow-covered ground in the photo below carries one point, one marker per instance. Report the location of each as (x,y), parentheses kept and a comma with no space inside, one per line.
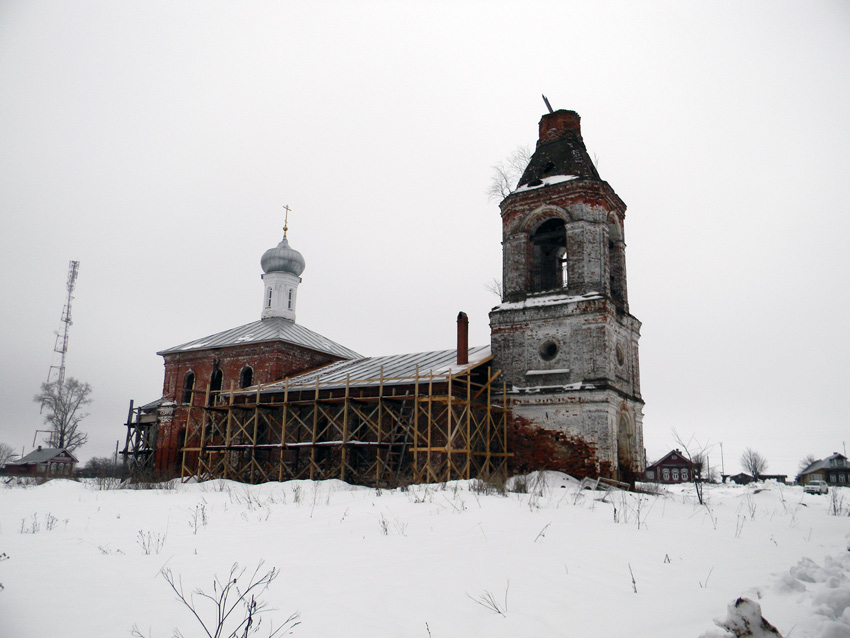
(438,560)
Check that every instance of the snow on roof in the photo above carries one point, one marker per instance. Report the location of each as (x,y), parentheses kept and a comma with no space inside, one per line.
(554,299)
(547,181)
(537,389)
(42,455)
(396,369)
(271,329)
(147,407)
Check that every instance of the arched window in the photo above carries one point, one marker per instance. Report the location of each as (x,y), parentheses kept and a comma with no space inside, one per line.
(548,256)
(269,301)
(246,377)
(188,387)
(215,383)
(289,302)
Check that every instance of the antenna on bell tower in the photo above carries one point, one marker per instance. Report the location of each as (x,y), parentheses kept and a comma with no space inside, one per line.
(286,219)
(62,340)
(548,106)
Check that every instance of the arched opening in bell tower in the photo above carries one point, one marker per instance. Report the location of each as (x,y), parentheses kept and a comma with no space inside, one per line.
(617,262)
(548,268)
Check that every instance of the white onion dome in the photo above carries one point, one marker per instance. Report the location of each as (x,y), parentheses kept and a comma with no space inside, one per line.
(282,258)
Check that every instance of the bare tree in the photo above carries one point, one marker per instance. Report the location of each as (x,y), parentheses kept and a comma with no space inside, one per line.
(7,453)
(494,286)
(697,455)
(753,463)
(704,470)
(506,174)
(235,605)
(806,461)
(63,402)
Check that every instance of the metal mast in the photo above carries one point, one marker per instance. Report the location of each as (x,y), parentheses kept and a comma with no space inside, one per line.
(62,339)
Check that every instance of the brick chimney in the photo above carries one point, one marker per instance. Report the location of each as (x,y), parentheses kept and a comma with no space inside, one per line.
(462,339)
(554,126)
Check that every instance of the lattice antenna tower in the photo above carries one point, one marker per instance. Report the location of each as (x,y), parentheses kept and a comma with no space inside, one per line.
(62,339)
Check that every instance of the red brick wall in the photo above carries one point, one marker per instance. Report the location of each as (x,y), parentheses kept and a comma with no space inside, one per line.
(270,362)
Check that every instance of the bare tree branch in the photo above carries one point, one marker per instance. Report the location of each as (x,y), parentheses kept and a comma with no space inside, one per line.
(7,453)
(247,605)
(63,402)
(753,463)
(806,461)
(697,459)
(506,174)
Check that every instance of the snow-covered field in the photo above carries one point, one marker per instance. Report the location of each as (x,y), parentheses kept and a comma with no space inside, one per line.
(438,560)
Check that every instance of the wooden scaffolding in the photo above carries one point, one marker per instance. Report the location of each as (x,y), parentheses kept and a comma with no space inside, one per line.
(140,443)
(382,431)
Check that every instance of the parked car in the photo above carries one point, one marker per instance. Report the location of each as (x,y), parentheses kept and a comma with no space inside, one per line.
(816,487)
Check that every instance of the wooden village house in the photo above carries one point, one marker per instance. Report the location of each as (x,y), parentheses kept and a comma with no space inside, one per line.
(834,470)
(557,387)
(56,462)
(673,467)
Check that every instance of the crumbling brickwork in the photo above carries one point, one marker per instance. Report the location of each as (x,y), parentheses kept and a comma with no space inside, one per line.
(536,448)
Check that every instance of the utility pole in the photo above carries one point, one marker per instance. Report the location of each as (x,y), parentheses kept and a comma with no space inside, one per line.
(62,339)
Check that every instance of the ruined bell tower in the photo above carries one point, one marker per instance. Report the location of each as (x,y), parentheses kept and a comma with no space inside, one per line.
(563,334)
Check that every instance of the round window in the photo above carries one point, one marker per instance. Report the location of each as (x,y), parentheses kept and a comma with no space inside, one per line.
(548,350)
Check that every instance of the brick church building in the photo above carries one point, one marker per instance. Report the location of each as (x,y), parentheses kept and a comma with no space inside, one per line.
(562,339)
(261,352)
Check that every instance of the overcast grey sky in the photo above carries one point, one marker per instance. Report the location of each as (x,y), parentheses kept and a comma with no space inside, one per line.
(156,143)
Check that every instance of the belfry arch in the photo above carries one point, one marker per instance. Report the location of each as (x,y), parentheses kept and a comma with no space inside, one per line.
(548,256)
(617,262)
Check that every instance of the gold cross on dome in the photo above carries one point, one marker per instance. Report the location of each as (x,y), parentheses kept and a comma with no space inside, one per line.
(286,220)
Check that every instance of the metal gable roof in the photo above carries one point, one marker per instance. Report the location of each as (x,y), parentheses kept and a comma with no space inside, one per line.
(264,330)
(42,455)
(667,457)
(397,369)
(824,464)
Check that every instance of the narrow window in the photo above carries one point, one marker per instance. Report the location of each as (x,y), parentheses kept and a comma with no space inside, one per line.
(246,377)
(188,386)
(269,302)
(289,303)
(215,383)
